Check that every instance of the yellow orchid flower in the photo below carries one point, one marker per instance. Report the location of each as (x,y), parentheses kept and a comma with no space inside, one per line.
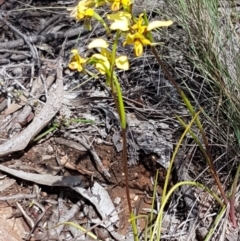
(139,31)
(139,26)
(76,62)
(138,41)
(82,10)
(104,61)
(83,13)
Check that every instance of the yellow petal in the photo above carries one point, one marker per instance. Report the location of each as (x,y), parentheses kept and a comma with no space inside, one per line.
(80,16)
(76,61)
(129,39)
(139,37)
(74,51)
(100,68)
(138,48)
(82,61)
(119,15)
(158,24)
(74,66)
(115,6)
(80,68)
(76,56)
(139,22)
(103,64)
(101,58)
(89,3)
(122,62)
(106,53)
(126,2)
(86,3)
(98,43)
(120,25)
(89,12)
(145,41)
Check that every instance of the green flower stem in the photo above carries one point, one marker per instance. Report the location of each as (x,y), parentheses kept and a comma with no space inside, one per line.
(114,50)
(118,99)
(120,104)
(125,167)
(100,19)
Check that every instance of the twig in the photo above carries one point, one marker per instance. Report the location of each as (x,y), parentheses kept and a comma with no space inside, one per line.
(28,219)
(38,219)
(18,196)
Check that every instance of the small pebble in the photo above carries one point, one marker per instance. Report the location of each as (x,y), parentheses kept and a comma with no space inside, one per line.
(117,200)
